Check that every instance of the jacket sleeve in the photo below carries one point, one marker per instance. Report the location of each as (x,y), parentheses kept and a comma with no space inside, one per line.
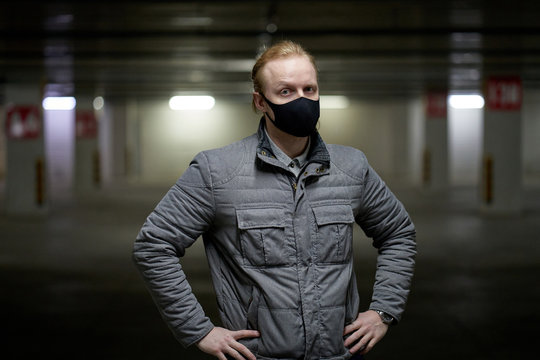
(179,219)
(384,219)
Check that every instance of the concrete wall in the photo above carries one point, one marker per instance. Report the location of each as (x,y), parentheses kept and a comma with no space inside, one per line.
(170,139)
(378,128)
(152,144)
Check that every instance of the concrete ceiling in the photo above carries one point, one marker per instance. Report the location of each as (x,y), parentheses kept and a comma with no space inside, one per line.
(363,48)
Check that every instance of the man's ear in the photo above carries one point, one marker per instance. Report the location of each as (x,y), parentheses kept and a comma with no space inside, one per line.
(259,102)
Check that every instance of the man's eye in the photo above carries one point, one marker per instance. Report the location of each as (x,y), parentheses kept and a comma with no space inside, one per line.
(285,92)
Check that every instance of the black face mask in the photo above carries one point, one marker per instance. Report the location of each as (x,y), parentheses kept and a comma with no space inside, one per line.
(298,117)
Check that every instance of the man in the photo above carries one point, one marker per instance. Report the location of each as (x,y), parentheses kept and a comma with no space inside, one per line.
(276,212)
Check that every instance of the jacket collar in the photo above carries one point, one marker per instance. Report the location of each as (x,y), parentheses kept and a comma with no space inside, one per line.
(317,153)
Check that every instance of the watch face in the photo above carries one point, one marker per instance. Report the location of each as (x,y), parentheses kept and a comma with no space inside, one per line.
(387,319)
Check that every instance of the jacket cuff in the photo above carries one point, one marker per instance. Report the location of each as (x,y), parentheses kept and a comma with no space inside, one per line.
(193,330)
(393,307)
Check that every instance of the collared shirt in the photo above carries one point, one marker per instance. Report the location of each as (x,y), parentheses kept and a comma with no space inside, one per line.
(295,165)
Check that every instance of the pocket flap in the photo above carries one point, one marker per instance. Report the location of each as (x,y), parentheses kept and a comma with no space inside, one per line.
(259,218)
(333,214)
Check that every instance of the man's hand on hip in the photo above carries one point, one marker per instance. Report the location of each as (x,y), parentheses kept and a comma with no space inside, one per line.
(366,331)
(221,342)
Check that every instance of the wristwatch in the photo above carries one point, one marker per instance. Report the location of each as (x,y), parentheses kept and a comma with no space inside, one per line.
(387,319)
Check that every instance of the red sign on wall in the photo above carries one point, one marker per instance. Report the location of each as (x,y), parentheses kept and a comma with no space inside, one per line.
(436,104)
(23,122)
(85,124)
(504,93)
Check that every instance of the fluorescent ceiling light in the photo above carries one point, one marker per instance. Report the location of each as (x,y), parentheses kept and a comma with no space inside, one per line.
(203,102)
(466,101)
(98,103)
(59,103)
(334,102)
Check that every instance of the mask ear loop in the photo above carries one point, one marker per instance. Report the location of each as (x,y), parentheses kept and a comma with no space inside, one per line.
(265,112)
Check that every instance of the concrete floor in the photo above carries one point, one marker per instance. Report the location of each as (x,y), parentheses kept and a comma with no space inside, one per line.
(68,288)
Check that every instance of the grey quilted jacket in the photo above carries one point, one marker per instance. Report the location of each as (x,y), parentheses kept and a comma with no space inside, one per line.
(279,247)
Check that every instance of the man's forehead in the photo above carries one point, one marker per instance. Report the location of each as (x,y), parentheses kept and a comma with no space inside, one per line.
(284,61)
(289,67)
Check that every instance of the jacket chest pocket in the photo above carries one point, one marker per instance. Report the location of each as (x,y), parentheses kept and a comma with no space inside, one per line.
(333,233)
(262,237)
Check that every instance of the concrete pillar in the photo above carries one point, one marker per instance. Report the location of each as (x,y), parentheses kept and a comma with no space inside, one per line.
(502,169)
(112,140)
(435,157)
(60,153)
(416,139)
(465,128)
(2,146)
(87,158)
(133,141)
(26,189)
(530,131)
